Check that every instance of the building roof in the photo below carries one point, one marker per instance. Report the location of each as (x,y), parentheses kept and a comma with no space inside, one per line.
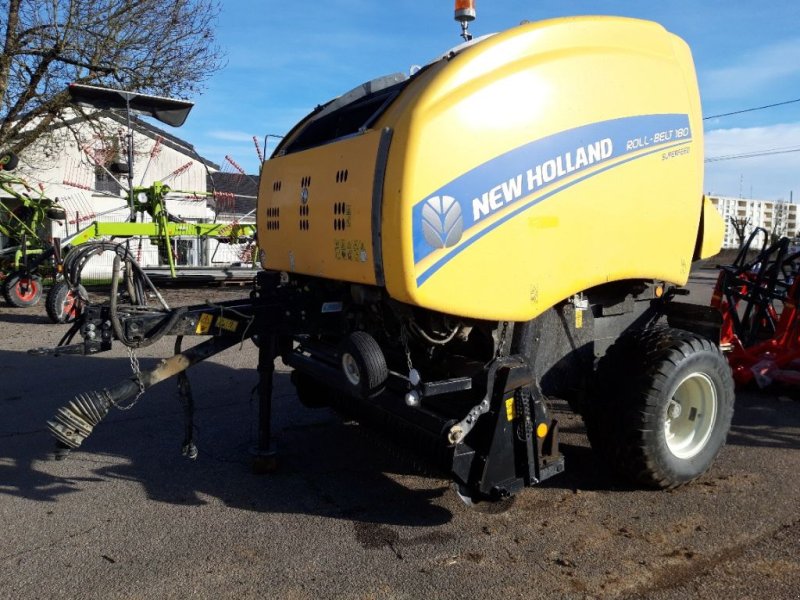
(171,141)
(235,193)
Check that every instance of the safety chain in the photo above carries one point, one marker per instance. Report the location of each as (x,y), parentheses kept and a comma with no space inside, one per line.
(404,341)
(137,374)
(414,378)
(502,341)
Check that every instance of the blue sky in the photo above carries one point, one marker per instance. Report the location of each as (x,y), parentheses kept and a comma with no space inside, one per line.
(283,58)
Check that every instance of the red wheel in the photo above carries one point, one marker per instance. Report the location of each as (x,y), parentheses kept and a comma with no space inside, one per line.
(63,304)
(8,161)
(21,289)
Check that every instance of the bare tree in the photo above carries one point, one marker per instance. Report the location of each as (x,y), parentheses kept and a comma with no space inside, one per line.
(740,225)
(161,47)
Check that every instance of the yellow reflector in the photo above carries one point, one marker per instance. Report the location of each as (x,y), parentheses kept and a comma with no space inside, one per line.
(659,291)
(541,430)
(510,408)
(204,324)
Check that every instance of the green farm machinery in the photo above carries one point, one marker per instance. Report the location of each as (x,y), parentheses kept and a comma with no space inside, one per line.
(25,210)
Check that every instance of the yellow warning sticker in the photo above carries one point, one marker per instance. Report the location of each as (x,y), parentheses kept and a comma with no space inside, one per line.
(578,318)
(204,324)
(227,324)
(510,408)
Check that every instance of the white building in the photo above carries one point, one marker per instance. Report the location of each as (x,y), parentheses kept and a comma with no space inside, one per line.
(776,217)
(77,169)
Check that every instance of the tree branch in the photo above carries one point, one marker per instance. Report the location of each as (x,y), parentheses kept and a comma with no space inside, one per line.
(164,47)
(10,45)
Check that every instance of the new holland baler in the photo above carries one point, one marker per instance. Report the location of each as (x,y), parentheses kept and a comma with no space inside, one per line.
(445,252)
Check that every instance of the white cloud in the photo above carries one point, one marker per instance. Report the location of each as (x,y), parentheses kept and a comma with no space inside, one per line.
(231,136)
(753,71)
(765,177)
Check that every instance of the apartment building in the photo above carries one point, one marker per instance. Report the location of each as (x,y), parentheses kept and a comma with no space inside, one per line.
(777,217)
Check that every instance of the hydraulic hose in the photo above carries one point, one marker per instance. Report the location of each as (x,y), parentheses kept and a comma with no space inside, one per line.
(116,325)
(77,258)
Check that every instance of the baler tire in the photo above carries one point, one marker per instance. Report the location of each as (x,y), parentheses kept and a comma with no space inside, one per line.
(364,364)
(63,304)
(21,290)
(664,407)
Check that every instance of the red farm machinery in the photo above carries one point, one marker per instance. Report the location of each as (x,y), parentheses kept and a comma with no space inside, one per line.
(758,296)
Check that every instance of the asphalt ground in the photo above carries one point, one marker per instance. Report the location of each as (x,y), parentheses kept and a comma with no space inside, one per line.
(349,514)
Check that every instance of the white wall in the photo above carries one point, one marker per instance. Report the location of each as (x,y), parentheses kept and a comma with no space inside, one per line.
(65,167)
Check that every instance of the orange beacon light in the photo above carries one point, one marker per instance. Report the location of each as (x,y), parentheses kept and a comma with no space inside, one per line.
(465,10)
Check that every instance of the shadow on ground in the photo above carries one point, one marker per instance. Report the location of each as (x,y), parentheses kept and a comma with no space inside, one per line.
(327,466)
(766,419)
(26,319)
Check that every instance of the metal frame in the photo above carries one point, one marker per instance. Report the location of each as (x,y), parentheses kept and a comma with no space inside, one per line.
(758,300)
(513,445)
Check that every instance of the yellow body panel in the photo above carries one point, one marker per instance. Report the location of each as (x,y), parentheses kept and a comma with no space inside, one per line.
(713,232)
(315,210)
(530,166)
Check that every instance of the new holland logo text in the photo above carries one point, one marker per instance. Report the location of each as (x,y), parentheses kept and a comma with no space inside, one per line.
(442,221)
(539,176)
(473,205)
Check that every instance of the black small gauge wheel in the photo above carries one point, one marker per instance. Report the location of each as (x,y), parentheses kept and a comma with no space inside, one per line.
(63,303)
(363,364)
(8,161)
(22,289)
